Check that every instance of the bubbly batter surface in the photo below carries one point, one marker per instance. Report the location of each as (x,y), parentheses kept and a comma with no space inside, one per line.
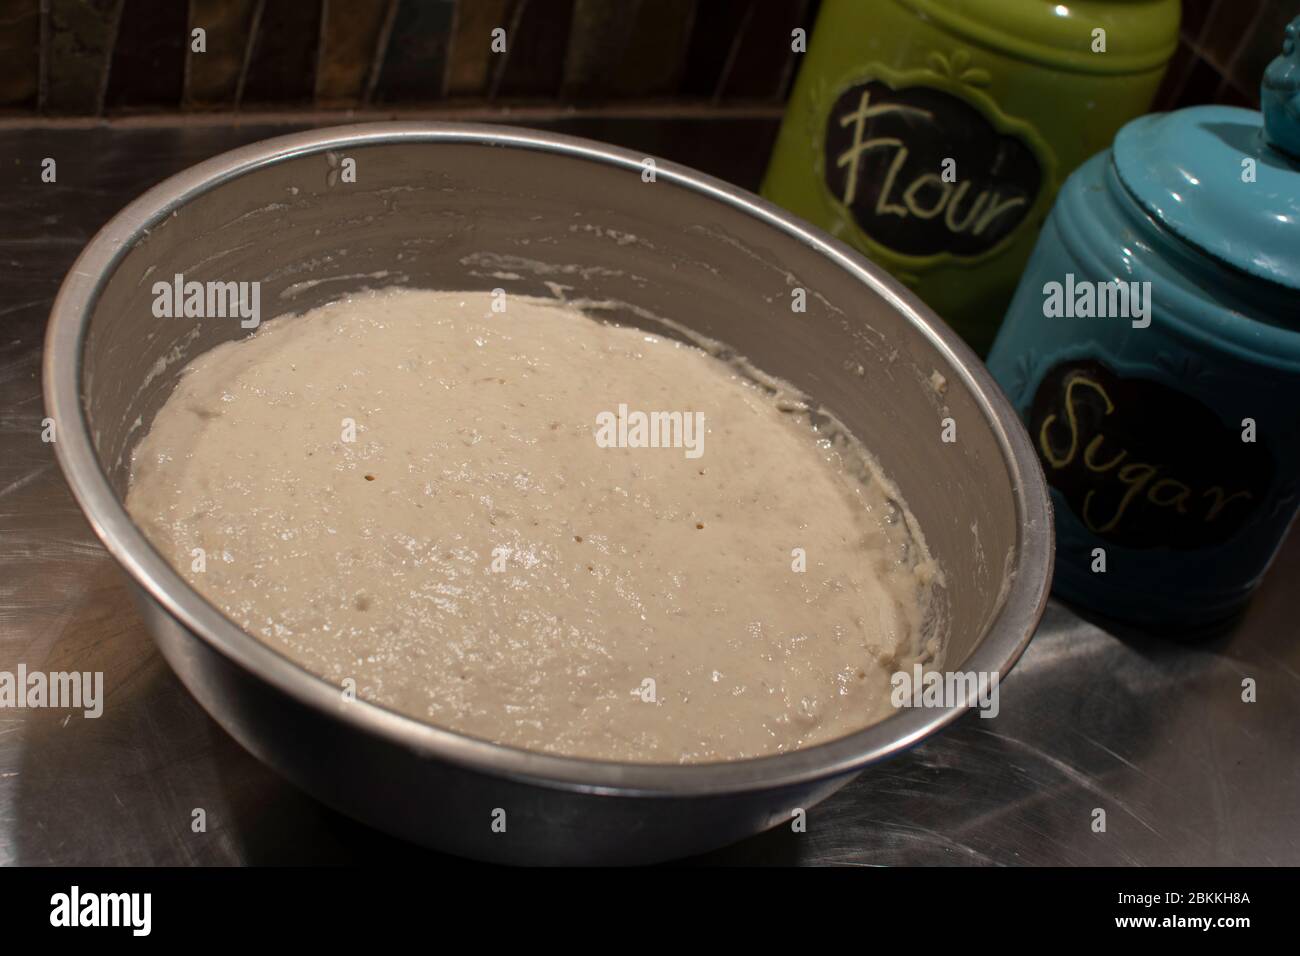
(405,489)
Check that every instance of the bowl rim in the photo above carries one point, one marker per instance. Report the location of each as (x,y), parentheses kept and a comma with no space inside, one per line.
(1008,632)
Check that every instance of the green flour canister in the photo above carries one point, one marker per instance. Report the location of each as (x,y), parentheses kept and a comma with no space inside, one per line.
(934,134)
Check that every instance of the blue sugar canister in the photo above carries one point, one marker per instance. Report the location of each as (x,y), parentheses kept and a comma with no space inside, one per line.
(1153,350)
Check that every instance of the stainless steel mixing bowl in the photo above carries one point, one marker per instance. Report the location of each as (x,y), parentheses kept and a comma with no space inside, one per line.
(481,207)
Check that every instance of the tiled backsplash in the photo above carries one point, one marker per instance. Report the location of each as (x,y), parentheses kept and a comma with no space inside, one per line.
(1224,48)
(80,57)
(93,57)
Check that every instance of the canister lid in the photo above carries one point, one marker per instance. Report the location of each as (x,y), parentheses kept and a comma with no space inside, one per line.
(1136,36)
(1213,176)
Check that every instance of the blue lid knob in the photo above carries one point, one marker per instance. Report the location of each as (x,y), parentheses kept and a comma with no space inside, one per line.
(1211,176)
(1279,95)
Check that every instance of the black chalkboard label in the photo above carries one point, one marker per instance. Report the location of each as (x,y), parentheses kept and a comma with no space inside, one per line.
(1142,464)
(885,162)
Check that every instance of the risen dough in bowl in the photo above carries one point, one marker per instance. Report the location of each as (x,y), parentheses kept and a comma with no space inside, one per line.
(408,493)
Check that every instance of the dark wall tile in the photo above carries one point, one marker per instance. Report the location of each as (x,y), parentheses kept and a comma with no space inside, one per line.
(1262,43)
(148,63)
(1229,95)
(350,39)
(20,53)
(715,35)
(212,77)
(79,38)
(653,62)
(732,148)
(534,62)
(636,48)
(1171,87)
(1226,26)
(471,61)
(809,20)
(1195,14)
(763,60)
(415,62)
(598,38)
(282,60)
(1201,85)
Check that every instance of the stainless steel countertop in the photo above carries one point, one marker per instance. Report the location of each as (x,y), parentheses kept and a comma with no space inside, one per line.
(1153,732)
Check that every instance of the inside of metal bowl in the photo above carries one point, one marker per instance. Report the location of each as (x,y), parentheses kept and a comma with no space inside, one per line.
(592,230)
